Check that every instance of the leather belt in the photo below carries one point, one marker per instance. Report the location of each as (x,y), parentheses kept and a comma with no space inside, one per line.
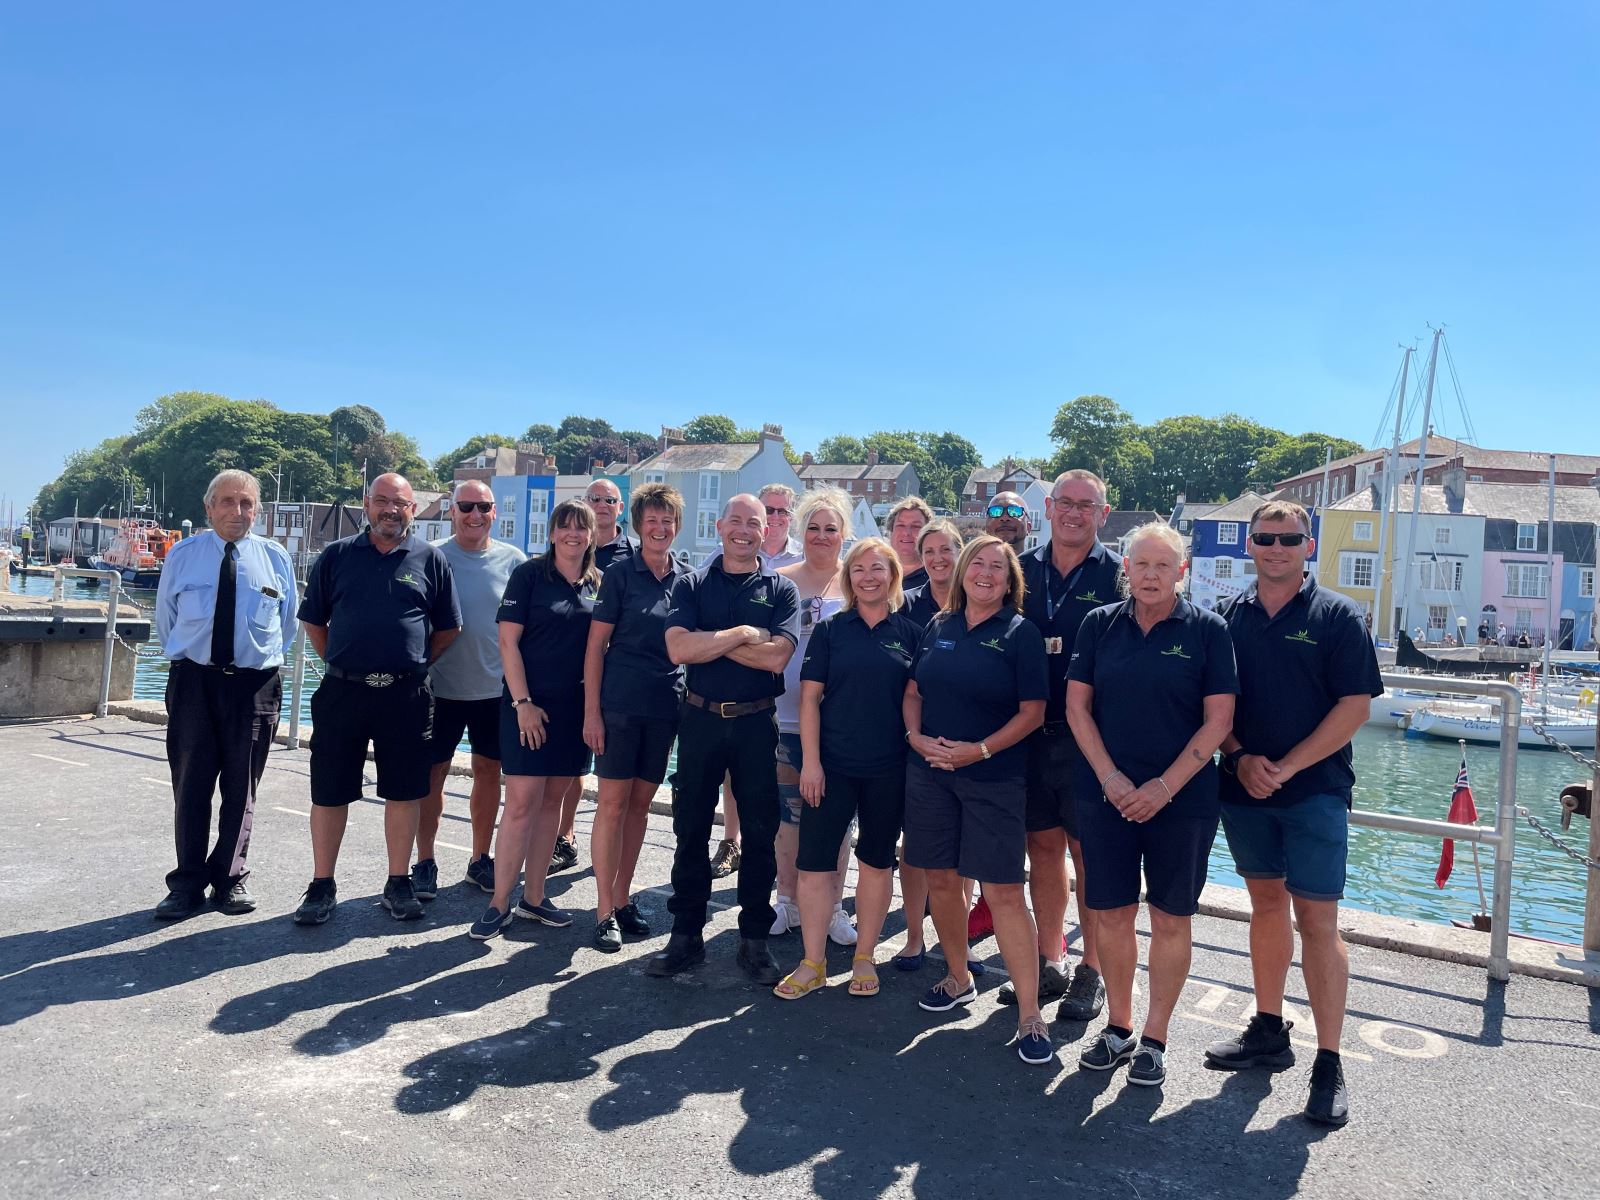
(728,709)
(374,679)
(1052,729)
(230,669)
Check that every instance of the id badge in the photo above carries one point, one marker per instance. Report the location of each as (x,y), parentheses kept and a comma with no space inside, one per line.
(1052,645)
(944,644)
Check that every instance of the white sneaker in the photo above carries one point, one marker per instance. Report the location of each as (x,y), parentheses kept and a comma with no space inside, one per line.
(788,916)
(840,930)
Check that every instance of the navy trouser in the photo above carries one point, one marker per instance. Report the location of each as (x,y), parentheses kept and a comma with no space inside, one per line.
(743,748)
(219,728)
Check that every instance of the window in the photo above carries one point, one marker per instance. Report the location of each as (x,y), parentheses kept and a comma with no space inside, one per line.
(1357,570)
(1586,582)
(1227,533)
(710,487)
(1438,620)
(1527,537)
(655,477)
(1363,531)
(509,508)
(538,535)
(872,485)
(1441,575)
(1474,478)
(1222,568)
(1527,581)
(508,528)
(705,529)
(538,504)
(1524,621)
(1441,536)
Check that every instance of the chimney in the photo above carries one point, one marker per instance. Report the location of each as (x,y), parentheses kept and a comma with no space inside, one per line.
(1010,466)
(1455,489)
(872,458)
(669,437)
(633,457)
(806,460)
(597,466)
(772,433)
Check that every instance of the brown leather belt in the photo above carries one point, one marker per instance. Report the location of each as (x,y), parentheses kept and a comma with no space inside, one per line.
(729,708)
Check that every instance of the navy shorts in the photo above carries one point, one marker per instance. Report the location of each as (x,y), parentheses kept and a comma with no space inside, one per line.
(478,719)
(563,753)
(879,804)
(1050,762)
(398,723)
(636,747)
(973,826)
(1305,844)
(791,755)
(1170,849)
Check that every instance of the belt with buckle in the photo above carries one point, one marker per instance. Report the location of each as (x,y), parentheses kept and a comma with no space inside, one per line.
(728,709)
(373,679)
(1052,729)
(230,669)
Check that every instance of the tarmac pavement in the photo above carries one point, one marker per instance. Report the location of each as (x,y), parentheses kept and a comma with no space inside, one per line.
(244,1056)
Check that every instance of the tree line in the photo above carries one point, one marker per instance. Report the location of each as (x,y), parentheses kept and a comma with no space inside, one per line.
(181,440)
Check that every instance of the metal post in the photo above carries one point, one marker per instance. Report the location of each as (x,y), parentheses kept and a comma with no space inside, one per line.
(115,581)
(1505,848)
(297,679)
(1591,904)
(58,591)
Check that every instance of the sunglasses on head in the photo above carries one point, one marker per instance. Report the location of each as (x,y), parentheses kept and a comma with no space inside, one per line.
(482,506)
(1287,539)
(1007,510)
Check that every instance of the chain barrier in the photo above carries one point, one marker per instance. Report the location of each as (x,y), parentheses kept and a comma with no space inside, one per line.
(1548,835)
(1556,743)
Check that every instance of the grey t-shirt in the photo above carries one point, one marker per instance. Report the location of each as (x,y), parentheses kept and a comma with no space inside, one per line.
(470,668)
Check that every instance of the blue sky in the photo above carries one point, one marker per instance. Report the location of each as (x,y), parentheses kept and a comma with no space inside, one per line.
(838,217)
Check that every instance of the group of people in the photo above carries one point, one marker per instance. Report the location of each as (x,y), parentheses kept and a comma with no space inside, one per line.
(977,712)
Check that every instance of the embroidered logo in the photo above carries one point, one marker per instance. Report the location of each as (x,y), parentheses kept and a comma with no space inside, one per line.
(1302,636)
(994,644)
(1175,651)
(1091,595)
(762,599)
(406,577)
(895,646)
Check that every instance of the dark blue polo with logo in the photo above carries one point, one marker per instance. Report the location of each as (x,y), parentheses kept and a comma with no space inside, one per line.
(554,615)
(711,599)
(1058,606)
(639,679)
(920,606)
(863,670)
(973,681)
(1293,668)
(380,609)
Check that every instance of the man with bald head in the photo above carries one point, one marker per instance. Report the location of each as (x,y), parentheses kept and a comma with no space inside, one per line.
(379,608)
(1007,519)
(733,624)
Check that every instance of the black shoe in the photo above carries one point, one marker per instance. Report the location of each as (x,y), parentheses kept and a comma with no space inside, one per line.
(632,920)
(481,872)
(726,860)
(1257,1046)
(400,900)
(177,905)
(608,935)
(564,857)
(1086,998)
(756,961)
(235,899)
(1052,983)
(684,950)
(1329,1102)
(318,904)
(425,878)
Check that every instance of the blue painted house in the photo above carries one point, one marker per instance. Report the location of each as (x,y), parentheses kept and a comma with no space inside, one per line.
(1219,558)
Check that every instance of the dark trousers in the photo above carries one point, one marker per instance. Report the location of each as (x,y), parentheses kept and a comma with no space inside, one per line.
(743,748)
(219,729)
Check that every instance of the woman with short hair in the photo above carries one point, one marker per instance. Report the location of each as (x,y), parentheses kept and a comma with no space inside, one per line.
(544,629)
(632,692)
(853,735)
(905,522)
(978,689)
(1150,695)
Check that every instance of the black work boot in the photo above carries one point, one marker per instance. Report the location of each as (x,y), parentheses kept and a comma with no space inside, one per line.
(756,961)
(684,950)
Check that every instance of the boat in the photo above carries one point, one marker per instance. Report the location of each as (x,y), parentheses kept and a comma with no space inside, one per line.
(1480,724)
(137,551)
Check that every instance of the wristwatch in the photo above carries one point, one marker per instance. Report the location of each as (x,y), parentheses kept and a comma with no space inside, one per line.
(1230,762)
(983,748)
(524,700)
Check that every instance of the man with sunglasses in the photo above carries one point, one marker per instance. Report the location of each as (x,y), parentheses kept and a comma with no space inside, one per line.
(1007,519)
(778,549)
(466,685)
(1307,674)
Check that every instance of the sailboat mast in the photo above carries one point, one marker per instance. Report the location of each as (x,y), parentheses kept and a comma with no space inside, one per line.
(1549,585)
(1391,467)
(1404,572)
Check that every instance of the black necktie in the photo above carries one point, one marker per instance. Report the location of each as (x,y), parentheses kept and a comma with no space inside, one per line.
(222,621)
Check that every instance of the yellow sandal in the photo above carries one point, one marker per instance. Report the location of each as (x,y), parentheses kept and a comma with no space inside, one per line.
(796,987)
(864,985)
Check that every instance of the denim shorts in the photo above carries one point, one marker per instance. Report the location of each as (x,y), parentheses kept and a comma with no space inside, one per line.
(1305,844)
(792,756)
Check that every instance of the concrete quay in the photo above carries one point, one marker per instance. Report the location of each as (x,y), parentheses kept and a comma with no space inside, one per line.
(248,1057)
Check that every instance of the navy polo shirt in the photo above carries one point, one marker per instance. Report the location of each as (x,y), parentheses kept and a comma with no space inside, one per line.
(1150,690)
(639,679)
(913,579)
(863,671)
(622,547)
(973,681)
(710,599)
(1058,606)
(920,606)
(554,616)
(380,609)
(1293,668)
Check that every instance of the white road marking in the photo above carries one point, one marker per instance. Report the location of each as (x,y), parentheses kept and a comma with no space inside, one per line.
(151,779)
(293,812)
(52,758)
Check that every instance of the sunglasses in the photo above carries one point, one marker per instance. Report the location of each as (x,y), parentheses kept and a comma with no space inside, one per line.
(776,512)
(593,500)
(1287,539)
(482,506)
(1007,510)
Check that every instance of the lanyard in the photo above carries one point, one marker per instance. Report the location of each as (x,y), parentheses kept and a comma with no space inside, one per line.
(1051,601)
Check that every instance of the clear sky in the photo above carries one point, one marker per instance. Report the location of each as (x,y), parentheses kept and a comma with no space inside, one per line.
(836,216)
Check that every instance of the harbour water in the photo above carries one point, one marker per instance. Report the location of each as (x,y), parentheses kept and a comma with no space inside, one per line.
(1389,872)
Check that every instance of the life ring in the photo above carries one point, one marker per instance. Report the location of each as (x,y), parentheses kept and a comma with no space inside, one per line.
(1586,696)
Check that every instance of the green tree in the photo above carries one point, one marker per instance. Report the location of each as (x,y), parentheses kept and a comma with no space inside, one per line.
(841,448)
(710,427)
(90,480)
(1291,455)
(170,409)
(355,423)
(1207,458)
(544,435)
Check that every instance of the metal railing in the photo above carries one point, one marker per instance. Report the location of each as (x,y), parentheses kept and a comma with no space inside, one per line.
(1503,836)
(58,595)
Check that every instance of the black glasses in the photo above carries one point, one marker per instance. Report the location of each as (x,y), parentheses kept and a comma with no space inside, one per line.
(1007,510)
(1287,539)
(776,512)
(605,500)
(482,506)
